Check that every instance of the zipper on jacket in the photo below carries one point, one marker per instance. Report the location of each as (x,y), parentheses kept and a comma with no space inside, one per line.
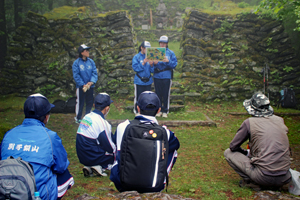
(156,162)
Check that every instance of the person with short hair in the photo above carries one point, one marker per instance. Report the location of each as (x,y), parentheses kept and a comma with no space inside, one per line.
(94,146)
(163,74)
(41,147)
(85,76)
(143,68)
(267,163)
(148,106)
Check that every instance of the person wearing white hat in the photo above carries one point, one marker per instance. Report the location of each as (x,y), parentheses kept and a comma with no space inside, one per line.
(266,162)
(85,75)
(163,74)
(143,68)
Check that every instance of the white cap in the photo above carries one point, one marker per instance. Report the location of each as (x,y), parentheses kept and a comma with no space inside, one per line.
(147,44)
(164,39)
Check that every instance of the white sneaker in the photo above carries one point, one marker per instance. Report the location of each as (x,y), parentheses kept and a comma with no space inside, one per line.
(87,171)
(165,115)
(98,170)
(158,114)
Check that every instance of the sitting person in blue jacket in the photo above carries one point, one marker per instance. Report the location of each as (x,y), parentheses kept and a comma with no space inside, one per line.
(41,147)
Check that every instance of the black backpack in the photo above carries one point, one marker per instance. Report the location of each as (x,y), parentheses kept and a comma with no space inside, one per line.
(144,157)
(17,179)
(59,106)
(62,106)
(287,98)
(70,105)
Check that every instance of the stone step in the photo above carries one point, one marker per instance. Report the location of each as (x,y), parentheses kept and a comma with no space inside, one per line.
(172,97)
(172,108)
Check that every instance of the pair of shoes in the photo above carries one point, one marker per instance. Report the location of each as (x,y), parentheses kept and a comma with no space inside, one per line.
(77,121)
(87,171)
(249,184)
(165,115)
(98,170)
(159,114)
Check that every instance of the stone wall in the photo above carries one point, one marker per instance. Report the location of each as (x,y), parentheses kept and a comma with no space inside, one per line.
(41,55)
(224,56)
(154,35)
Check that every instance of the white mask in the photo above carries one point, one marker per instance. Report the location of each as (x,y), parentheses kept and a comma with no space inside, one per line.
(48,119)
(106,113)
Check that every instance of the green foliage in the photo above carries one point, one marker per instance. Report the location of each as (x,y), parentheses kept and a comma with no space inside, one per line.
(243,5)
(279,8)
(225,26)
(287,68)
(46,90)
(53,65)
(272,50)
(245,47)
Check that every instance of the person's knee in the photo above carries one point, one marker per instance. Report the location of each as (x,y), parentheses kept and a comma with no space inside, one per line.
(227,152)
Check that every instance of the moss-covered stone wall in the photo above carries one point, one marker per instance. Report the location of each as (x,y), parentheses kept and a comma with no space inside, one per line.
(43,50)
(224,56)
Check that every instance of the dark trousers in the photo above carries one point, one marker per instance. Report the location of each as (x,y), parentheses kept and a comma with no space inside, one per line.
(162,89)
(88,97)
(138,89)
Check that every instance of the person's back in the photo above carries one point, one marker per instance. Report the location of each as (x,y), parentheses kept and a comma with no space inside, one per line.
(269,144)
(266,162)
(94,146)
(39,146)
(133,149)
(32,142)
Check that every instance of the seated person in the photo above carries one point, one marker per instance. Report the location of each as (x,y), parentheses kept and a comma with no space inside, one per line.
(41,147)
(267,163)
(148,106)
(94,145)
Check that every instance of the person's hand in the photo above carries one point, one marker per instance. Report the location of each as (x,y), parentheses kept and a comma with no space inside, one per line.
(90,84)
(144,61)
(151,63)
(165,59)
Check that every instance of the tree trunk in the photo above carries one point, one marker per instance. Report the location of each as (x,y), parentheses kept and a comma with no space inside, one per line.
(3,34)
(50,5)
(17,13)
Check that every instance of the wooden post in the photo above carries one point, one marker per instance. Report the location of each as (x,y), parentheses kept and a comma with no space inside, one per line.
(151,18)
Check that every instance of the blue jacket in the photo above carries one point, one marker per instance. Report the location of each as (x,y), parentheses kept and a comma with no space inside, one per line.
(165,65)
(142,70)
(84,71)
(42,148)
(118,136)
(94,143)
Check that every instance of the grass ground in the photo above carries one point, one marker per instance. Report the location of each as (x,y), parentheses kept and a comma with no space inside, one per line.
(200,172)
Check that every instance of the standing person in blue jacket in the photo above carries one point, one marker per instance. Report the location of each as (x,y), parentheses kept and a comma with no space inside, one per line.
(163,74)
(148,106)
(143,68)
(94,145)
(85,75)
(41,147)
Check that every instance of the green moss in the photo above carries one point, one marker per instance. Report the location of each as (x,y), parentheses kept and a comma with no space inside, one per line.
(18,50)
(68,12)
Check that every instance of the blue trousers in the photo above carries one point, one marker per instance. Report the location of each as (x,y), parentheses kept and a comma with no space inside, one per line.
(82,97)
